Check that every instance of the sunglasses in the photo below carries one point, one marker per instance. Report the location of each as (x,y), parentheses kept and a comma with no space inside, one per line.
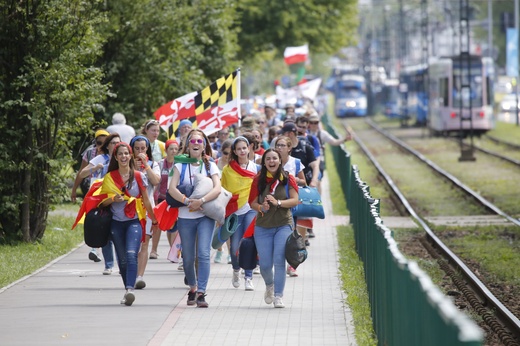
(199,141)
(260,122)
(211,137)
(99,143)
(224,133)
(314,122)
(225,153)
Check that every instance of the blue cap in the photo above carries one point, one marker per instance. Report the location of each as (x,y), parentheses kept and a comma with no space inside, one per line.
(185,122)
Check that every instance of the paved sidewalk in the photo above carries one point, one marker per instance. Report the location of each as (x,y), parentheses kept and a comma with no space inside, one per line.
(70,302)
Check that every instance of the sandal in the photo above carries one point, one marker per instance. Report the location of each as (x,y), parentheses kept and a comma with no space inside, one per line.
(153,255)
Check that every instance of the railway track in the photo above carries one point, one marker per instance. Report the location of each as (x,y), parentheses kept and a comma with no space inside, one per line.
(504,143)
(497,316)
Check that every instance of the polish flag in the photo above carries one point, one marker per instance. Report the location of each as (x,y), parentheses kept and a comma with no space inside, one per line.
(295,55)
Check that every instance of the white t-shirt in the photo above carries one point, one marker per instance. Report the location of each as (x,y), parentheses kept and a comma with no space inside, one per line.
(150,189)
(290,166)
(104,159)
(184,212)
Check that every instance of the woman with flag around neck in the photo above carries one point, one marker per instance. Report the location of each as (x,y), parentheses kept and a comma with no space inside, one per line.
(294,167)
(126,194)
(195,229)
(273,193)
(237,177)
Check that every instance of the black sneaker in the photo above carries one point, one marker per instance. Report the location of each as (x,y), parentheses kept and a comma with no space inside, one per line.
(201,301)
(94,257)
(307,243)
(310,233)
(191,298)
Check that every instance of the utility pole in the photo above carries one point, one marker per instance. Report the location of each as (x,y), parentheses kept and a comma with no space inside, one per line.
(466,152)
(424,57)
(517,54)
(490,29)
(403,88)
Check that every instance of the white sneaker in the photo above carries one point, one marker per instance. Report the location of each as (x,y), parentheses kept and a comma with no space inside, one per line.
(236,279)
(139,283)
(129,298)
(107,271)
(256,270)
(181,266)
(249,284)
(278,302)
(269,294)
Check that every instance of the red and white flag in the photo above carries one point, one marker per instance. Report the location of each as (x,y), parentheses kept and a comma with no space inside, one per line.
(295,55)
(210,109)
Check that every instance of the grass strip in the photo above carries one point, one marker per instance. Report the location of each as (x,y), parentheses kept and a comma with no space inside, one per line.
(350,266)
(23,259)
(353,279)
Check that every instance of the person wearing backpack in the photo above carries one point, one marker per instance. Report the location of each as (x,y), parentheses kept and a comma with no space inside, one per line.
(195,229)
(303,151)
(96,169)
(127,196)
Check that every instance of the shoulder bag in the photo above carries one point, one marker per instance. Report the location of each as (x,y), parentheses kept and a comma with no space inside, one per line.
(185,189)
(96,229)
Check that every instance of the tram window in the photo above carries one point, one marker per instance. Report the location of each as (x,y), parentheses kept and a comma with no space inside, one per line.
(444,91)
(489,91)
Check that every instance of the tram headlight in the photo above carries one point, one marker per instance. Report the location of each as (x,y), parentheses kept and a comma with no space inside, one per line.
(350,104)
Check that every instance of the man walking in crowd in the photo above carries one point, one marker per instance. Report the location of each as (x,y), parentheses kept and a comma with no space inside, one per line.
(119,125)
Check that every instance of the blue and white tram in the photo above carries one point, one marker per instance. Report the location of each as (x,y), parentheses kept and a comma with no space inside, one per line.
(449,102)
(414,101)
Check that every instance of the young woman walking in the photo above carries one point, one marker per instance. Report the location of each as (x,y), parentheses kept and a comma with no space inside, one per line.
(273,194)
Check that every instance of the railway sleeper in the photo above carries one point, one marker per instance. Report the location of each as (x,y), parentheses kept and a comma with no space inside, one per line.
(491,320)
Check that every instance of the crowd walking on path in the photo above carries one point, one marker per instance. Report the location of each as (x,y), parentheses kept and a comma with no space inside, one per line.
(262,173)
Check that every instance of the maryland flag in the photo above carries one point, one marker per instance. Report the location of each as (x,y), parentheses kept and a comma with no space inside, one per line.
(210,110)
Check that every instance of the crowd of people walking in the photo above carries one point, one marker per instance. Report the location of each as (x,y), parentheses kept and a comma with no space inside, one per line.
(262,162)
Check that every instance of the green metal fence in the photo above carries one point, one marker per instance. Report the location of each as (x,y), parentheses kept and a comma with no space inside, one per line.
(406,307)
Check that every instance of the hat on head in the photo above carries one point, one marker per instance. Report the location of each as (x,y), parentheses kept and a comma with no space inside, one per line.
(185,122)
(314,117)
(289,127)
(248,121)
(170,142)
(101,133)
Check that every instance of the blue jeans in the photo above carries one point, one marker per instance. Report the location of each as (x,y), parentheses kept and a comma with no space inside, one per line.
(196,236)
(108,254)
(270,244)
(126,236)
(244,221)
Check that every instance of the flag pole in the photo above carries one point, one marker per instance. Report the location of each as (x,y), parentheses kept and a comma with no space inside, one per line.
(238,96)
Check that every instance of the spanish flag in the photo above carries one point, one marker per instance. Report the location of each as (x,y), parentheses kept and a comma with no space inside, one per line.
(238,181)
(108,187)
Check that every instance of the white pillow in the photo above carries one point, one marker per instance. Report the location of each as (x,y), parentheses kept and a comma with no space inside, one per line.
(215,209)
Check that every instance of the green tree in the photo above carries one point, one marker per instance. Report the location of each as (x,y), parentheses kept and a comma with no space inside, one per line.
(157,50)
(326,26)
(48,90)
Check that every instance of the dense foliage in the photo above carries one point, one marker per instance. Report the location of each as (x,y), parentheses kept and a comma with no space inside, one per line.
(67,65)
